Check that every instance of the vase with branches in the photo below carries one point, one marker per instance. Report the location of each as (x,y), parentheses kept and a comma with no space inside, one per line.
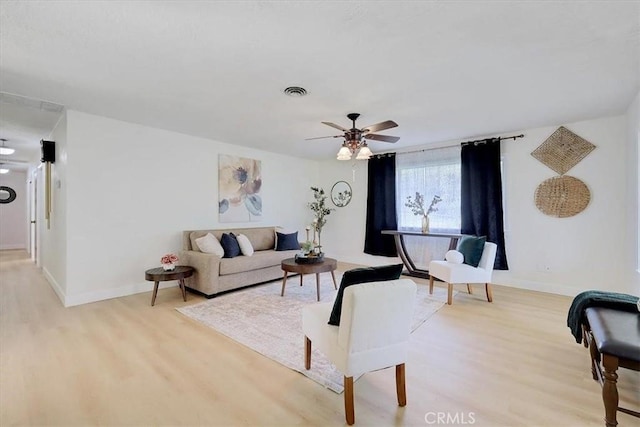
(320,212)
(417,207)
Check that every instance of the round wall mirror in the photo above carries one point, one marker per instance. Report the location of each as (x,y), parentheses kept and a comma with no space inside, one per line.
(7,194)
(341,194)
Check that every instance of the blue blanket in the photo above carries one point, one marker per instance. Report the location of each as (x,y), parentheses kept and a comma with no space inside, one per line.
(584,300)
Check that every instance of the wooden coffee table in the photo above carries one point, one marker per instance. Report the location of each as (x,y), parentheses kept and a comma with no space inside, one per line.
(289,265)
(158,275)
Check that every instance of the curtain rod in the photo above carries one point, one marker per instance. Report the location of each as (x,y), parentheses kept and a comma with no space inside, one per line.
(499,138)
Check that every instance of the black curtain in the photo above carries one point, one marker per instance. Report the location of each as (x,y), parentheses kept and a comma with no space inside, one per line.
(481,206)
(381,206)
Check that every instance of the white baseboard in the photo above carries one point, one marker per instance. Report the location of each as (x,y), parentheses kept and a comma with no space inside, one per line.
(499,277)
(55,285)
(104,294)
(7,247)
(504,279)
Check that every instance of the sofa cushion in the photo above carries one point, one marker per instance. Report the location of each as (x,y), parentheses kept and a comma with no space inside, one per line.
(245,245)
(471,247)
(261,238)
(362,275)
(287,242)
(230,245)
(210,245)
(260,259)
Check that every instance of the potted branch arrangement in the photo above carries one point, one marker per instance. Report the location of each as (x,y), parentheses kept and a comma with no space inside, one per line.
(320,212)
(417,207)
(312,250)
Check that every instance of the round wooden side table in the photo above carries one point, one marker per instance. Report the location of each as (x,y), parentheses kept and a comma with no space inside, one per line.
(289,265)
(158,275)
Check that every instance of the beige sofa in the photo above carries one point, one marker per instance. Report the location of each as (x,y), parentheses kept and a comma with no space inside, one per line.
(214,274)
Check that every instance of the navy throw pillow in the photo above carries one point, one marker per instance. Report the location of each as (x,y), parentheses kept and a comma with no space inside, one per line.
(230,245)
(362,275)
(287,242)
(471,247)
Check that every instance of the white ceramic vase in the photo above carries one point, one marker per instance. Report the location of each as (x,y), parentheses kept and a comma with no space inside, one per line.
(168,267)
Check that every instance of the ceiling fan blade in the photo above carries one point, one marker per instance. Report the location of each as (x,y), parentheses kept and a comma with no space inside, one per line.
(380,126)
(322,137)
(13,162)
(385,138)
(333,125)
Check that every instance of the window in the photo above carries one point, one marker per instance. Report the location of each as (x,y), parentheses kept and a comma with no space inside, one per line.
(430,172)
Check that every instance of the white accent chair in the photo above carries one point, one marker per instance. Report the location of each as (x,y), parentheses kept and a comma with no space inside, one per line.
(452,273)
(373,334)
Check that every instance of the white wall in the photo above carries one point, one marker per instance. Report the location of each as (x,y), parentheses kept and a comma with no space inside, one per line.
(13,216)
(563,256)
(131,190)
(343,235)
(568,255)
(126,191)
(52,237)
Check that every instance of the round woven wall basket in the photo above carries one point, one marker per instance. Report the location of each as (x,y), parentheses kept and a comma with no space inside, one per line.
(562,196)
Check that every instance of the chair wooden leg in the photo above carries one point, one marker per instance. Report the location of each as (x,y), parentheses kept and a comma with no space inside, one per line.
(487,287)
(469,288)
(401,390)
(349,410)
(449,293)
(307,353)
(610,390)
(430,284)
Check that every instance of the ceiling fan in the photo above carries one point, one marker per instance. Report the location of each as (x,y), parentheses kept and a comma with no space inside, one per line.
(355,139)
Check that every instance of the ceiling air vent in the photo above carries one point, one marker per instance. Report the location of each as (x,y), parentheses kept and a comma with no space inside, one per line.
(295,91)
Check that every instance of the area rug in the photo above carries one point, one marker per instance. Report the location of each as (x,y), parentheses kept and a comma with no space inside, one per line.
(259,318)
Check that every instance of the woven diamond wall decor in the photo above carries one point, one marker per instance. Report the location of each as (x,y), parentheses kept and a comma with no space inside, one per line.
(562,196)
(563,150)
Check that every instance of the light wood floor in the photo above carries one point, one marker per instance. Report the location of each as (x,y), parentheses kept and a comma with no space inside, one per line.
(123,362)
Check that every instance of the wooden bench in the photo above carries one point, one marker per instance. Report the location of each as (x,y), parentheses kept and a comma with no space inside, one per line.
(613,338)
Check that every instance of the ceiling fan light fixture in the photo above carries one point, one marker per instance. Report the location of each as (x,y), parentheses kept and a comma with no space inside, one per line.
(354,138)
(6,151)
(344,153)
(364,153)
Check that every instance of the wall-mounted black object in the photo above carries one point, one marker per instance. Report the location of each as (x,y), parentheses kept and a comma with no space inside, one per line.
(7,194)
(48,151)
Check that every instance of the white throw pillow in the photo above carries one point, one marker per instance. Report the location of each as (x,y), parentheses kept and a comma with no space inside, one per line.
(210,245)
(454,257)
(245,245)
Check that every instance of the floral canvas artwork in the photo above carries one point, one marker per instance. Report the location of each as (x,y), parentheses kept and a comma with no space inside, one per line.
(239,185)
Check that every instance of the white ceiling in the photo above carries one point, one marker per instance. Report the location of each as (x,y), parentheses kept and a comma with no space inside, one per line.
(441,70)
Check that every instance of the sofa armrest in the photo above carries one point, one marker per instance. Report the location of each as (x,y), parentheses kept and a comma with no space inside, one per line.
(207,270)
